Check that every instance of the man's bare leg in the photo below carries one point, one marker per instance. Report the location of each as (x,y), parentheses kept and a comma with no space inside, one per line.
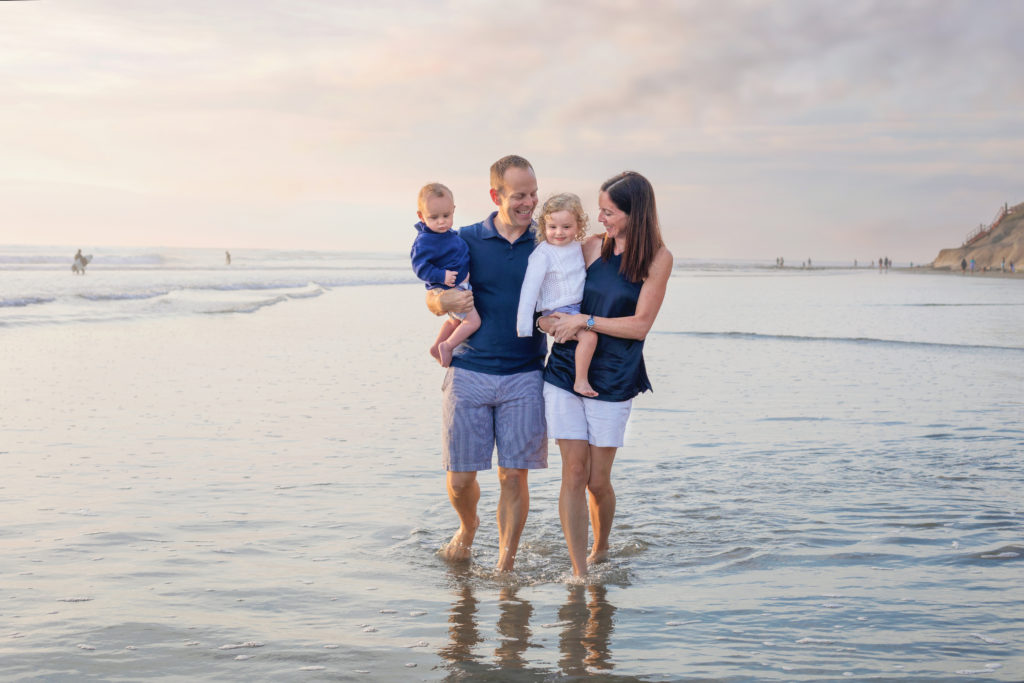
(602,500)
(464,493)
(572,501)
(447,327)
(513,506)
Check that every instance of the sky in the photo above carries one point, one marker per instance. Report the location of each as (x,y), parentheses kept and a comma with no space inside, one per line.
(823,129)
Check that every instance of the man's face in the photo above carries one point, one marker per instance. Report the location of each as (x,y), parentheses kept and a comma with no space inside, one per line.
(518,198)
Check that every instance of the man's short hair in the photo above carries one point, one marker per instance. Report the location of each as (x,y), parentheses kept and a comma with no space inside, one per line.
(499,167)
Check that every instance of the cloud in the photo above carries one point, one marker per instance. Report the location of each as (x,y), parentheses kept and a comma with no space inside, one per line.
(811,109)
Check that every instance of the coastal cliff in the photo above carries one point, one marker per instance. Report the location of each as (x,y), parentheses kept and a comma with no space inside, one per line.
(991,247)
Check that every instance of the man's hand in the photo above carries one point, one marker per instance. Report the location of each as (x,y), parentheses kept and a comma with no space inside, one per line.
(441,301)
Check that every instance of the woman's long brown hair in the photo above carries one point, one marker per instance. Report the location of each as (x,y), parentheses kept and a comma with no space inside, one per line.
(634,196)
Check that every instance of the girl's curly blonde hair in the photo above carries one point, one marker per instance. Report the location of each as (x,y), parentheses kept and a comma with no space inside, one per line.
(566,201)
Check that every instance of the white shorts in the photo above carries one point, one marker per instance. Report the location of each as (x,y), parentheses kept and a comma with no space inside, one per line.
(599,423)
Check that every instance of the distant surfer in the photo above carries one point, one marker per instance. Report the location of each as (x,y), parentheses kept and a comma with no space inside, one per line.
(80,262)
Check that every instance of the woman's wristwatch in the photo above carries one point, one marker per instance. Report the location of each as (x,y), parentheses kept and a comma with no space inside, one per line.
(590,323)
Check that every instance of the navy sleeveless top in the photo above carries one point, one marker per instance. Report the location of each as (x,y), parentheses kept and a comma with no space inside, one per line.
(617,372)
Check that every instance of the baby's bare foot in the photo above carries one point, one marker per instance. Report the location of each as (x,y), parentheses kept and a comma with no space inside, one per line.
(444,352)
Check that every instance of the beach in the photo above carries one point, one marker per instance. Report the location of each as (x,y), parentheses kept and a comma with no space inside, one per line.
(824,484)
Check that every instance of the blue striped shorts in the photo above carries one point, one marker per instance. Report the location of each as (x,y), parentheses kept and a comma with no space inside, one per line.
(481,411)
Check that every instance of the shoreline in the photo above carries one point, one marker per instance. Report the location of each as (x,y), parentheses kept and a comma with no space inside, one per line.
(922,269)
(1005,275)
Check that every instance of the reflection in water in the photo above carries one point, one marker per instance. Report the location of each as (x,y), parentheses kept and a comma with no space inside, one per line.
(588,628)
(463,630)
(513,629)
(586,622)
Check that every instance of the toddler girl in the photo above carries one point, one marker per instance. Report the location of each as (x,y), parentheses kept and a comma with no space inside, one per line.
(555,275)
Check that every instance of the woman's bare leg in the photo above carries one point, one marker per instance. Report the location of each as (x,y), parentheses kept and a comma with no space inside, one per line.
(602,499)
(572,501)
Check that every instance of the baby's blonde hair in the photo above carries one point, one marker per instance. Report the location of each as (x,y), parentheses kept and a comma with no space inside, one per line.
(566,201)
(432,190)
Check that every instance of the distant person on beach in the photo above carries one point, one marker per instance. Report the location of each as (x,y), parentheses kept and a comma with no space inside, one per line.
(441,259)
(963,266)
(627,273)
(555,275)
(79,263)
(227,258)
(492,392)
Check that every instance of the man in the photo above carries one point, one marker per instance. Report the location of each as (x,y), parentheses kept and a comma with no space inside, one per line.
(493,390)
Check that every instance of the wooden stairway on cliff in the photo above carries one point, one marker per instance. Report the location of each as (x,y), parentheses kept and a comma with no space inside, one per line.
(983,230)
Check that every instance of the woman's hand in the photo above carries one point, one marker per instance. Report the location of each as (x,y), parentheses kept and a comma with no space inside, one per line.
(564,327)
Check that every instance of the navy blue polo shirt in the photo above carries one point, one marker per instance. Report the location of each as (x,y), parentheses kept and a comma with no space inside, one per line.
(496,272)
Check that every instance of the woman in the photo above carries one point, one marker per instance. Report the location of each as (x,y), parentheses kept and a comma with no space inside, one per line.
(627,271)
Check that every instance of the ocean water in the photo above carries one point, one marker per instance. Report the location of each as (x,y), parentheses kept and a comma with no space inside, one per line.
(229,473)
(128,284)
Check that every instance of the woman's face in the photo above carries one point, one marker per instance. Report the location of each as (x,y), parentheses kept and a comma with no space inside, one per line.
(611,217)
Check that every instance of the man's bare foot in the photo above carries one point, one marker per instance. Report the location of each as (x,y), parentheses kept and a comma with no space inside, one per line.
(583,388)
(506,562)
(597,556)
(444,353)
(460,548)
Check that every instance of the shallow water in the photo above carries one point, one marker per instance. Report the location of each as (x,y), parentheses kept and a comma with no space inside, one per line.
(825,484)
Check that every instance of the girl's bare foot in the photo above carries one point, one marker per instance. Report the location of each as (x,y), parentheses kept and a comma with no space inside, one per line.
(583,388)
(460,548)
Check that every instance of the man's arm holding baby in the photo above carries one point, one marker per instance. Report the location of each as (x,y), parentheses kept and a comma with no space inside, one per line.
(442,301)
